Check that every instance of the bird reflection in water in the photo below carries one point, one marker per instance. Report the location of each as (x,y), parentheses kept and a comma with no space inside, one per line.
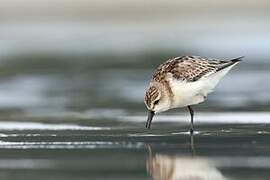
(176,167)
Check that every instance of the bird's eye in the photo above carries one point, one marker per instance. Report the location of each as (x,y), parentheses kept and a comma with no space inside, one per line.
(156,102)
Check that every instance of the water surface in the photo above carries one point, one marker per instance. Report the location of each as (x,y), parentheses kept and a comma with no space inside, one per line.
(117,149)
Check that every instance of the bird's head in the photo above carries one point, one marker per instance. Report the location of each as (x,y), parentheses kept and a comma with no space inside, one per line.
(156,100)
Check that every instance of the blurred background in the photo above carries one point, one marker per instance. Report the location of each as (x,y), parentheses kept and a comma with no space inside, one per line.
(73,74)
(97,56)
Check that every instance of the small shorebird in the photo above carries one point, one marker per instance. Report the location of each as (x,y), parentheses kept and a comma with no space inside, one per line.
(182,82)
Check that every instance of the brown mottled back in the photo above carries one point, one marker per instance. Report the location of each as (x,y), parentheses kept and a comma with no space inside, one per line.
(190,68)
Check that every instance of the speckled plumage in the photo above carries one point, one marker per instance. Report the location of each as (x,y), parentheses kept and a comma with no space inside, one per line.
(189,68)
(184,81)
(151,95)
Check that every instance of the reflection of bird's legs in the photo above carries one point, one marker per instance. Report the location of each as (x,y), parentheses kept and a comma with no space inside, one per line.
(149,162)
(149,148)
(192,148)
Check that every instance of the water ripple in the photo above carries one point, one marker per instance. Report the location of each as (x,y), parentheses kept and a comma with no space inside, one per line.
(68,145)
(9,126)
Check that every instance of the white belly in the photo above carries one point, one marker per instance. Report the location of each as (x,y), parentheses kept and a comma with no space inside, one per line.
(188,93)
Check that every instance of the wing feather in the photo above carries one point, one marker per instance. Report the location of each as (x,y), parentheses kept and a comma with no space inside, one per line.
(191,68)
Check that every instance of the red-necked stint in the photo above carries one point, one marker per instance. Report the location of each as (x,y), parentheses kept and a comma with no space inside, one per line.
(184,81)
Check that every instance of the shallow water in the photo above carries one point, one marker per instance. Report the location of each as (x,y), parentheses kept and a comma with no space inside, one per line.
(73,77)
(124,149)
(82,117)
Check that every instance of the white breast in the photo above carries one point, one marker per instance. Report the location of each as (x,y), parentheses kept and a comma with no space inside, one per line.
(188,93)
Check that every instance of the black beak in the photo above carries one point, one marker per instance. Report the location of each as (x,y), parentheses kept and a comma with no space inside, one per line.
(149,119)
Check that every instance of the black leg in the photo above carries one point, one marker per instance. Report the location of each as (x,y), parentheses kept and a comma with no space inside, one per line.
(191,122)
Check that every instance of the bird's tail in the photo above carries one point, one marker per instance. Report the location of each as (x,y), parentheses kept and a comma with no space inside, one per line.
(235,60)
(230,63)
